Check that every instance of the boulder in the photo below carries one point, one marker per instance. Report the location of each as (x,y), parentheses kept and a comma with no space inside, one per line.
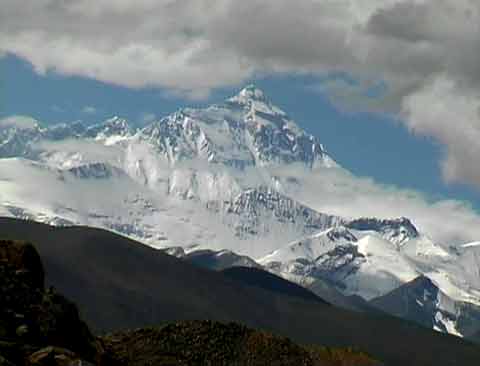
(55,356)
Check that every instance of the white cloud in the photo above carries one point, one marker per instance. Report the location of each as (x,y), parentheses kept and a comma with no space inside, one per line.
(57,108)
(88,109)
(192,46)
(22,122)
(338,192)
(76,152)
(187,46)
(451,115)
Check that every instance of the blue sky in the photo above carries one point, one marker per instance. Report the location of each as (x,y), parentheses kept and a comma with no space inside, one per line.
(367,144)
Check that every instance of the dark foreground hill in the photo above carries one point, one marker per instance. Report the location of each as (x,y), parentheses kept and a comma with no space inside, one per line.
(39,327)
(265,280)
(119,283)
(211,343)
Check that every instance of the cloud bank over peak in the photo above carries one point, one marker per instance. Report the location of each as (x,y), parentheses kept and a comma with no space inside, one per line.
(424,52)
(338,192)
(17,121)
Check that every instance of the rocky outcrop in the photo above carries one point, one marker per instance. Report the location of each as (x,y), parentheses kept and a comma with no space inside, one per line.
(33,318)
(55,356)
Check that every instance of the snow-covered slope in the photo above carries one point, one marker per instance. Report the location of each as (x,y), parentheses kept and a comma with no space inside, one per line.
(212,178)
(358,263)
(205,169)
(368,264)
(312,247)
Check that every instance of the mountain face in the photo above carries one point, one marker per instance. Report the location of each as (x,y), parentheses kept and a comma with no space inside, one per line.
(257,211)
(422,302)
(245,131)
(16,140)
(220,178)
(397,231)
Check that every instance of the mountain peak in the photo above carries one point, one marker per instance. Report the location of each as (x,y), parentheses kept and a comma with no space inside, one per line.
(250,93)
(115,126)
(116,122)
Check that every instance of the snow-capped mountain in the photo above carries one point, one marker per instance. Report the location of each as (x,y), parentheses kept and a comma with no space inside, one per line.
(208,179)
(247,130)
(371,263)
(15,140)
(346,258)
